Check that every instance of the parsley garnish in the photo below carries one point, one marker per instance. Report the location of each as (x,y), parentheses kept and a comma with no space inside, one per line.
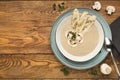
(61,7)
(54,6)
(73,35)
(94,72)
(65,71)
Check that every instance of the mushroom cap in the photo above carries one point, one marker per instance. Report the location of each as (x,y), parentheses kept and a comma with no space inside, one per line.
(72,43)
(110,8)
(80,38)
(105,69)
(97,5)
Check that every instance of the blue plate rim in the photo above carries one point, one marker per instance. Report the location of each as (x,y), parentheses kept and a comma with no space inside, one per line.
(56,50)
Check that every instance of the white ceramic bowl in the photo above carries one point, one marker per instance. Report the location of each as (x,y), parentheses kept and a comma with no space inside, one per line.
(79,58)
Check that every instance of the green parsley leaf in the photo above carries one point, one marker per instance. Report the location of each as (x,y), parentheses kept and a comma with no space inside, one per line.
(94,72)
(65,71)
(73,36)
(61,7)
(54,6)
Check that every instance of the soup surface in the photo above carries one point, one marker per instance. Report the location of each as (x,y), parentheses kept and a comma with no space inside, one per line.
(90,42)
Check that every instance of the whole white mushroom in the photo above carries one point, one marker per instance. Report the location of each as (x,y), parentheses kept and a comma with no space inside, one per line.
(105,69)
(110,9)
(97,5)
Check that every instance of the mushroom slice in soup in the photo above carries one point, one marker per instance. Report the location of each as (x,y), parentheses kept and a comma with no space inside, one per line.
(79,38)
(68,34)
(72,43)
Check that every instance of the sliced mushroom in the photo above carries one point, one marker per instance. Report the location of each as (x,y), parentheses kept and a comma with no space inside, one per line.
(110,9)
(79,38)
(97,5)
(72,43)
(68,34)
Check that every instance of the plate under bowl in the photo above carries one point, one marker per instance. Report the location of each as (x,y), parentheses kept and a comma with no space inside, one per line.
(91,54)
(80,65)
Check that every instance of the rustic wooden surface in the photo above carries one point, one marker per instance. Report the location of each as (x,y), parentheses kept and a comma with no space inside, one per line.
(25,51)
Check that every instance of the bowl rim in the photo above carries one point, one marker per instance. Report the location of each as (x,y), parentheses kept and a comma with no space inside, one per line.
(80,58)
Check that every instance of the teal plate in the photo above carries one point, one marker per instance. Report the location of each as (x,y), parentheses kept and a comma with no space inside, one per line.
(80,65)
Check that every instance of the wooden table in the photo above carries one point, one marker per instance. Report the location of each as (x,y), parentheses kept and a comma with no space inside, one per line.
(25,50)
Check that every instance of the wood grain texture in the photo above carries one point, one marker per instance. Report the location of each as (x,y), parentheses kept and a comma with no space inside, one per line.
(25,25)
(43,66)
(25,51)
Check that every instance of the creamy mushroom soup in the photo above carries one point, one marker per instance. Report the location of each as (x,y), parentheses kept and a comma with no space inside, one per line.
(91,38)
